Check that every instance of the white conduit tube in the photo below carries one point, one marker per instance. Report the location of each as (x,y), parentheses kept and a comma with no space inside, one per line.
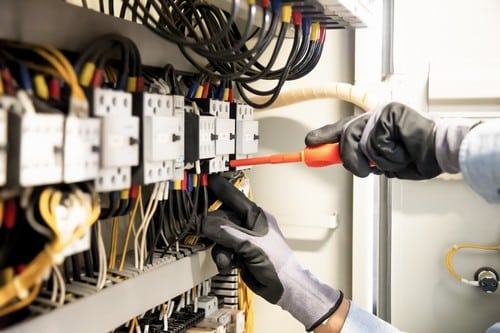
(343,91)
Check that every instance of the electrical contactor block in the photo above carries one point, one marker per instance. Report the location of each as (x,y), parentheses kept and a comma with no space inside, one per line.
(207,137)
(119,138)
(179,114)
(247,130)
(347,13)
(82,145)
(5,103)
(223,136)
(36,149)
(161,134)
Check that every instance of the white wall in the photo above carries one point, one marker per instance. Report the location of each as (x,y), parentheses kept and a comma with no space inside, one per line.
(296,194)
(457,40)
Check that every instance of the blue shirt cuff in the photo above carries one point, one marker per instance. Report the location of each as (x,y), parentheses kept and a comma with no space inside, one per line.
(480,160)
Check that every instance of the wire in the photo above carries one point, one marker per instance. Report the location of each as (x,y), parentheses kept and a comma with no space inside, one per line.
(452,251)
(21,303)
(131,223)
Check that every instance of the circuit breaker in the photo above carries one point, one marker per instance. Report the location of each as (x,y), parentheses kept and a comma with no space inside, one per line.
(179,115)
(36,155)
(4,106)
(82,141)
(119,138)
(247,130)
(161,135)
(223,136)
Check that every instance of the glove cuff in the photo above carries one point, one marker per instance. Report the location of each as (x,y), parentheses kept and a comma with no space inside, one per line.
(449,136)
(305,297)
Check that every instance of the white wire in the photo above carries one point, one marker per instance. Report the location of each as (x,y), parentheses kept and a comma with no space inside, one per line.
(55,287)
(103,269)
(152,198)
(62,285)
(149,216)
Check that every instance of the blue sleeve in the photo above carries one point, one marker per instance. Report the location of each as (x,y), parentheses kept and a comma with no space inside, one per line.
(494,329)
(360,321)
(480,160)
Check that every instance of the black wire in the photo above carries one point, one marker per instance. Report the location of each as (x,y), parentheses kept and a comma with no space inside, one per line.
(101,6)
(111,7)
(84,4)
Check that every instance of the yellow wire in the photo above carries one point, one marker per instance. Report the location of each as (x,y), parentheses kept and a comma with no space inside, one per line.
(131,222)
(1,87)
(21,303)
(34,271)
(57,65)
(1,208)
(114,243)
(452,251)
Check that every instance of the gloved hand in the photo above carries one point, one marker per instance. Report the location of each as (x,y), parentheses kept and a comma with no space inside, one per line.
(249,238)
(400,142)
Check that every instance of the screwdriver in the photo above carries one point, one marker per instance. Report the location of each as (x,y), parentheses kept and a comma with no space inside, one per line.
(319,156)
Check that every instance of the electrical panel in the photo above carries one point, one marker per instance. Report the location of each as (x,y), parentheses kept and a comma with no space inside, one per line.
(119,138)
(82,141)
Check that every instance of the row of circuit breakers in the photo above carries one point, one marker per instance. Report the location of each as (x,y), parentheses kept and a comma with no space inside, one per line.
(131,139)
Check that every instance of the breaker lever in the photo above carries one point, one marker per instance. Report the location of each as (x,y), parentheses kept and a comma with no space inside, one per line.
(318,156)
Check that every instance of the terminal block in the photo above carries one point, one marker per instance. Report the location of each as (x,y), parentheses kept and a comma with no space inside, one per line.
(119,138)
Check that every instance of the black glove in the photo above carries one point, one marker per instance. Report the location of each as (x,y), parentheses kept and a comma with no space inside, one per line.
(399,141)
(249,238)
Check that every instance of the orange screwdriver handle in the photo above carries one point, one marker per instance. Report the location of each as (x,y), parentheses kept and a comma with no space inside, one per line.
(321,156)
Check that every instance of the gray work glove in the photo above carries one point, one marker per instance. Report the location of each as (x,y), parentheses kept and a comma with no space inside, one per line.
(399,141)
(249,238)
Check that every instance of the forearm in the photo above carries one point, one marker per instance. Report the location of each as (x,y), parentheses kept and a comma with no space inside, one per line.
(336,321)
(350,319)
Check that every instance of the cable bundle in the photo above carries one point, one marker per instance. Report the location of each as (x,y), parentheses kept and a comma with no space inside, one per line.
(211,40)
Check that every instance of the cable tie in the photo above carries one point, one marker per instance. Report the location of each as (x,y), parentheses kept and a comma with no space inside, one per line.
(21,292)
(56,258)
